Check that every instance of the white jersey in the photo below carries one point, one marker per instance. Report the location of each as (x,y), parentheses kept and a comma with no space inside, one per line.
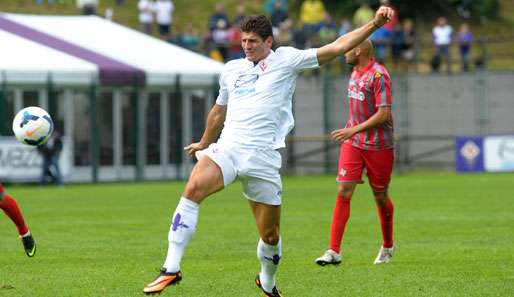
(259,97)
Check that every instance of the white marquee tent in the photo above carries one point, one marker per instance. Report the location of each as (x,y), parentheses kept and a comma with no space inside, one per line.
(100,81)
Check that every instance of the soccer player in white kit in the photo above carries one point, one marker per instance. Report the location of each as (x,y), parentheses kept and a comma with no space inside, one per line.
(253,113)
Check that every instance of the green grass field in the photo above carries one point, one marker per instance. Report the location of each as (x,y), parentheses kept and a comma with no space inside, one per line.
(454,236)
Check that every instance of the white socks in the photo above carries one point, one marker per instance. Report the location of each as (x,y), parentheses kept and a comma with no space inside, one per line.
(269,255)
(183,226)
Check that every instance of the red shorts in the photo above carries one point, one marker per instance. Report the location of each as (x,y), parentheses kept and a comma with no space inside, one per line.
(378,164)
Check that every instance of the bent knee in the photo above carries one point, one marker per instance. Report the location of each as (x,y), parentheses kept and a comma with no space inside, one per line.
(194,191)
(271,237)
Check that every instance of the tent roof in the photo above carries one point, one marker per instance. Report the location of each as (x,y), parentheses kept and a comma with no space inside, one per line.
(76,49)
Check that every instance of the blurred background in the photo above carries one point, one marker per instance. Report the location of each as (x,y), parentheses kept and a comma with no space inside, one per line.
(129,83)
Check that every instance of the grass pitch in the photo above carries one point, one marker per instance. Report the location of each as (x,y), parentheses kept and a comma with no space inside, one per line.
(454,236)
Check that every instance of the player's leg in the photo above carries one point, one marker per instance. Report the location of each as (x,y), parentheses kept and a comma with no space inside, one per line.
(349,175)
(10,207)
(269,248)
(380,166)
(262,186)
(205,179)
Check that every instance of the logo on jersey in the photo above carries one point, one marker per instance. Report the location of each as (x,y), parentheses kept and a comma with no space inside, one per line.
(246,80)
(378,75)
(263,65)
(245,84)
(356,95)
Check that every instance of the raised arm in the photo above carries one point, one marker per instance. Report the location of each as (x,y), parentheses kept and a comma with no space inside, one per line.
(350,40)
(215,121)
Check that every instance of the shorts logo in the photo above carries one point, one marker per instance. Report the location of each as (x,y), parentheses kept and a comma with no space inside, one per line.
(279,193)
(342,172)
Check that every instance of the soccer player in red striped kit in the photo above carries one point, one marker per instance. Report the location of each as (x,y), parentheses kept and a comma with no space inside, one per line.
(11,209)
(366,143)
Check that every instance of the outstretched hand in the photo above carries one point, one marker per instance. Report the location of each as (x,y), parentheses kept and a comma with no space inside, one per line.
(383,15)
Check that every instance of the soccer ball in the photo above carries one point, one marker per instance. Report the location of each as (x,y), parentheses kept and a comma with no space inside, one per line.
(32,126)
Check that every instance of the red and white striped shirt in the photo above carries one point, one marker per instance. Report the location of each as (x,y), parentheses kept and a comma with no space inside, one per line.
(369,89)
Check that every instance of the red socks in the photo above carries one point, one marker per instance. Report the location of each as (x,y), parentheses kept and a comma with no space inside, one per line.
(385,214)
(339,219)
(11,209)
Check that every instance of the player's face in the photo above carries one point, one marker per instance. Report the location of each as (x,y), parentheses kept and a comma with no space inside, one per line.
(351,57)
(254,46)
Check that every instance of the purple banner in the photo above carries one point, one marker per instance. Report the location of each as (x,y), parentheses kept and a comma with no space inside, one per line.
(112,72)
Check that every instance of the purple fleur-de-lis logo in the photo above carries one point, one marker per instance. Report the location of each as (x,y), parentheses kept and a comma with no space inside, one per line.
(177,223)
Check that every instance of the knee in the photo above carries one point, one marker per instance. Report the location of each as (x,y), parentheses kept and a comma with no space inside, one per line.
(345,193)
(194,191)
(271,236)
(381,198)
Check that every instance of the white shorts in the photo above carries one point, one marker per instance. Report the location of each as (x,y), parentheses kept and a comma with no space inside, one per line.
(258,170)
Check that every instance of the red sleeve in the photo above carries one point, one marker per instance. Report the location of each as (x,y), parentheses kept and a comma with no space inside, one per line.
(382,89)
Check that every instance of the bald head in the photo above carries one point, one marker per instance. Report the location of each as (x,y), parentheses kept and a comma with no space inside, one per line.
(360,54)
(366,48)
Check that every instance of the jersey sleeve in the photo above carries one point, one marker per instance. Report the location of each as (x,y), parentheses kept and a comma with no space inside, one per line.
(382,89)
(223,91)
(300,59)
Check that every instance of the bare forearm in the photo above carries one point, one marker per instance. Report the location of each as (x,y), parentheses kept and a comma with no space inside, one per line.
(350,40)
(374,121)
(213,127)
(345,43)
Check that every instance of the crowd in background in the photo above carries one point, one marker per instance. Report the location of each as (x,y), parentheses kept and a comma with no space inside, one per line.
(397,42)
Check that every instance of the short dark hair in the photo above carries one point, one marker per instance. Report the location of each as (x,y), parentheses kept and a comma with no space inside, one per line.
(257,24)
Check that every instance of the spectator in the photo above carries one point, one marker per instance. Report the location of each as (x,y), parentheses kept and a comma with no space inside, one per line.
(312,13)
(278,15)
(240,14)
(284,36)
(464,8)
(328,31)
(442,36)
(146,10)
(269,6)
(88,7)
(345,27)
(409,42)
(109,13)
(381,39)
(391,25)
(300,36)
(220,38)
(465,39)
(397,45)
(164,17)
(362,15)
(190,39)
(50,151)
(235,51)
(219,14)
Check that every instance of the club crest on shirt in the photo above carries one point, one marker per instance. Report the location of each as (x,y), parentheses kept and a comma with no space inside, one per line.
(378,75)
(263,65)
